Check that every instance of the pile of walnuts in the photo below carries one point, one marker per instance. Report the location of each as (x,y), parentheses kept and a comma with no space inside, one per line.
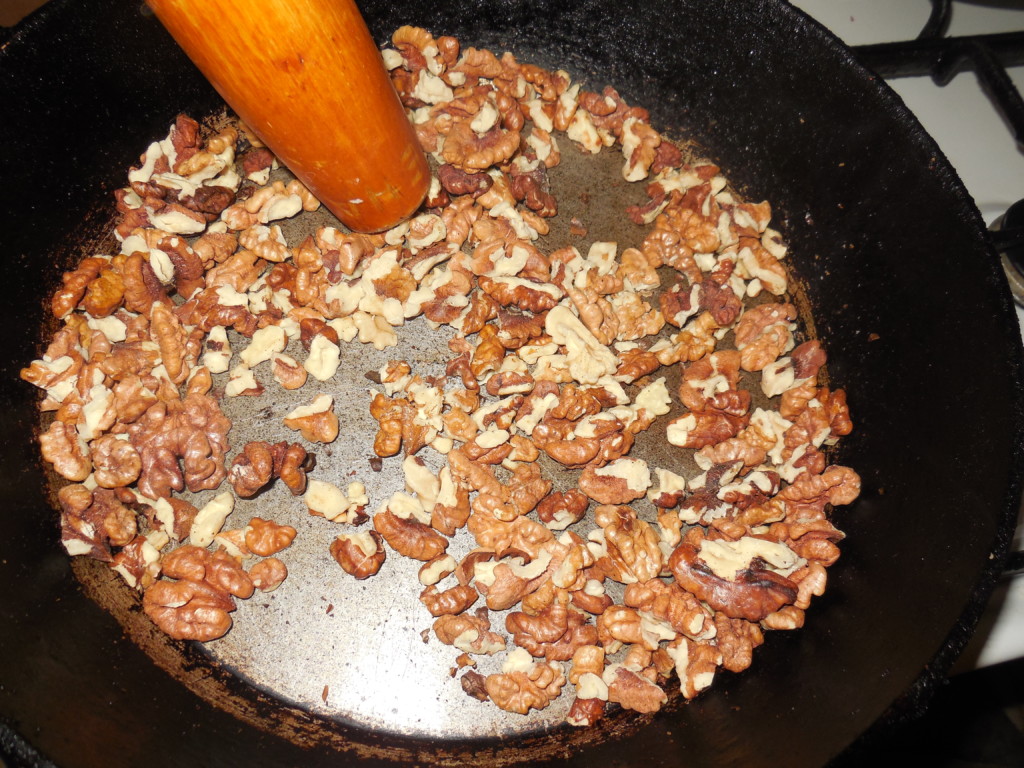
(631,573)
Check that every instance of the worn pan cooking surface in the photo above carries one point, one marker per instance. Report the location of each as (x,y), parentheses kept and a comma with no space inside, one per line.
(883,238)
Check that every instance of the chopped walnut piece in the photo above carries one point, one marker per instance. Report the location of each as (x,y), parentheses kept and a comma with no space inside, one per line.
(359,554)
(265,537)
(452,601)
(555,633)
(618,482)
(189,610)
(740,582)
(626,686)
(316,422)
(469,632)
(524,684)
(326,500)
(409,537)
(115,461)
(267,575)
(260,462)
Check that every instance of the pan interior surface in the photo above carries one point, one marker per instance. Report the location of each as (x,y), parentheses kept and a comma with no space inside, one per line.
(883,239)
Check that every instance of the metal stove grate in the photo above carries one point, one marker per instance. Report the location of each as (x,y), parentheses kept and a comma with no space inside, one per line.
(934,54)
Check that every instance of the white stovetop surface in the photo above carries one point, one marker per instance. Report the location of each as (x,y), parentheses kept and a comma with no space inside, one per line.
(979,145)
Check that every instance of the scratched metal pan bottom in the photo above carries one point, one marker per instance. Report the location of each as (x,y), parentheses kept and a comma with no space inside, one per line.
(885,243)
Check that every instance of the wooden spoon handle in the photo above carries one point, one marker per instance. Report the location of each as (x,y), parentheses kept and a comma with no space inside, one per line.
(307,78)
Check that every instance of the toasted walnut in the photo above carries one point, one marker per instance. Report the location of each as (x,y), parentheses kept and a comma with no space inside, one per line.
(316,422)
(585,711)
(451,509)
(259,462)
(452,601)
(669,603)
(62,447)
(469,632)
(750,591)
(626,686)
(626,548)
(618,482)
(562,508)
(91,522)
(287,372)
(359,554)
(265,537)
(267,575)
(520,535)
(189,610)
(193,430)
(326,500)
(465,150)
(736,640)
(524,684)
(138,562)
(115,461)
(433,571)
(409,537)
(695,663)
(397,427)
(217,569)
(555,633)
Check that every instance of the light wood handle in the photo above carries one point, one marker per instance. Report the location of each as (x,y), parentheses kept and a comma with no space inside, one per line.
(307,78)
